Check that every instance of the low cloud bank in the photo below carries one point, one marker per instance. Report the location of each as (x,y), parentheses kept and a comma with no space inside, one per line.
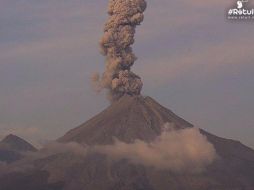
(185,150)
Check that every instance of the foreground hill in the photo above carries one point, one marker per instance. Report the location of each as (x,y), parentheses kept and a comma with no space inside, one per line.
(12,148)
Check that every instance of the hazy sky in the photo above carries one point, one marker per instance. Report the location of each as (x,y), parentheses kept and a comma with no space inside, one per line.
(192,60)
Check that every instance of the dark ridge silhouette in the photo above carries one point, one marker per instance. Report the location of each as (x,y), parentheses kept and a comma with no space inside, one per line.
(16,143)
(13,147)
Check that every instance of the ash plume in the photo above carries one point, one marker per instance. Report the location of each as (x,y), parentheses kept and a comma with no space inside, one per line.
(124,16)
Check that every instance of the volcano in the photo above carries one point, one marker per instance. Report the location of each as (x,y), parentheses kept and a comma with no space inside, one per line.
(16,143)
(130,118)
(140,118)
(12,147)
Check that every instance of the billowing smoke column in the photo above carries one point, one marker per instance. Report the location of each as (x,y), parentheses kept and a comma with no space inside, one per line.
(124,16)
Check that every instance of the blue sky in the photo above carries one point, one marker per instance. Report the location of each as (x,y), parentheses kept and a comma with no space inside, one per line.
(190,57)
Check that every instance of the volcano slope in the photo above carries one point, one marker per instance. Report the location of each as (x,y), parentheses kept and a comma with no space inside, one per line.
(129,119)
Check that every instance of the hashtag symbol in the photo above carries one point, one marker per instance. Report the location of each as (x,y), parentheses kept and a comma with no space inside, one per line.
(230,12)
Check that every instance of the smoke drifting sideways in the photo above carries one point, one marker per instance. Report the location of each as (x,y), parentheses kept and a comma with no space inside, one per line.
(180,151)
(119,31)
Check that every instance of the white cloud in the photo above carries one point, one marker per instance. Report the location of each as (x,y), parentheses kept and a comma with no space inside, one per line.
(185,150)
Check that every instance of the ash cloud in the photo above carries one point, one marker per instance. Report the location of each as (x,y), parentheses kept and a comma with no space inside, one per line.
(179,151)
(185,150)
(119,31)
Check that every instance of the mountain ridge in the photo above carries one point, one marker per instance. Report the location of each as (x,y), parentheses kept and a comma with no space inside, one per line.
(13,147)
(129,119)
(16,143)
